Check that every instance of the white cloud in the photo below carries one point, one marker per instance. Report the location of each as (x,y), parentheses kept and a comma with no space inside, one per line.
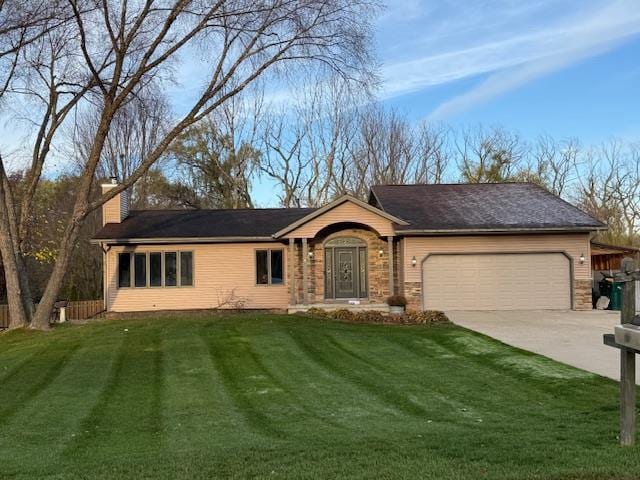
(514,42)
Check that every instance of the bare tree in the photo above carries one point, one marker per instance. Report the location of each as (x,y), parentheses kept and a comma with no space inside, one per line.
(610,189)
(113,51)
(218,155)
(489,155)
(433,154)
(552,164)
(284,158)
(24,26)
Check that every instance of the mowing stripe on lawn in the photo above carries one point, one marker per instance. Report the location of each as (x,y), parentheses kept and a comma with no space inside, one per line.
(119,422)
(55,413)
(15,392)
(197,412)
(244,376)
(337,362)
(288,364)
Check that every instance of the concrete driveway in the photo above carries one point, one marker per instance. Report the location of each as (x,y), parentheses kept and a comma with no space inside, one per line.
(570,337)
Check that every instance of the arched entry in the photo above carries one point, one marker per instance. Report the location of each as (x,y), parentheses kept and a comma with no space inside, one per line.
(345,272)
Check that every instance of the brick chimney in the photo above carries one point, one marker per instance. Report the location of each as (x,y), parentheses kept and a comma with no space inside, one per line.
(116,209)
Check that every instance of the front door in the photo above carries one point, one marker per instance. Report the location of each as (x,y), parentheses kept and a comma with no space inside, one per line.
(346,272)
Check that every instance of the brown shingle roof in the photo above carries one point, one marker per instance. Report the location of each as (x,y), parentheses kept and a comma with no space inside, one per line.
(488,206)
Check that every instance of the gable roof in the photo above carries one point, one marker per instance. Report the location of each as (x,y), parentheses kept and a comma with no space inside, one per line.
(201,225)
(329,206)
(490,207)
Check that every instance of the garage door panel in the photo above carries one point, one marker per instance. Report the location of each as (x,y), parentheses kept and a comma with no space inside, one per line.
(497,281)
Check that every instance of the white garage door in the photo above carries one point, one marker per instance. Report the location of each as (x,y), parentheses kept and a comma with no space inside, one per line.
(497,282)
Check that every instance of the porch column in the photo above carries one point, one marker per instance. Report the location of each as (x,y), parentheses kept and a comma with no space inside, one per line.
(390,246)
(305,268)
(292,271)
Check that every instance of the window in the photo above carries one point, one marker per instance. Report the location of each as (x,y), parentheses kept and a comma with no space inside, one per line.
(186,269)
(170,269)
(276,267)
(262,267)
(269,267)
(140,269)
(155,269)
(124,270)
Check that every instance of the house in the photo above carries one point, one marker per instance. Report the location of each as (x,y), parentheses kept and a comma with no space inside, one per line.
(466,247)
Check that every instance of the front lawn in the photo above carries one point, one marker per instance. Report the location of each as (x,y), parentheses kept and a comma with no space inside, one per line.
(288,397)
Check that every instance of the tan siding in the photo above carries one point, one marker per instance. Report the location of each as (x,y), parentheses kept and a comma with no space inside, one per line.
(345,212)
(224,277)
(573,244)
(112,210)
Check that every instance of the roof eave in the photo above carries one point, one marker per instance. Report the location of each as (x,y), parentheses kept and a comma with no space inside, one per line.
(464,231)
(178,240)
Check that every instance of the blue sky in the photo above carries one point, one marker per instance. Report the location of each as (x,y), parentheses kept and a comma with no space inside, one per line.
(561,67)
(566,68)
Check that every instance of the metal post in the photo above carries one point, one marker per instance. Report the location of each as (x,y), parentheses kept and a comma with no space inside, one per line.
(627,397)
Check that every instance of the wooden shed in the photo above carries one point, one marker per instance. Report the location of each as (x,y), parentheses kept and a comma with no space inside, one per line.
(608,257)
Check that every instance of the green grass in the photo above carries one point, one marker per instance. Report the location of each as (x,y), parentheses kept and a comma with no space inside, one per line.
(260,396)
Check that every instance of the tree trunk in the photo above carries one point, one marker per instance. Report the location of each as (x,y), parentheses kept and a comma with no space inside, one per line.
(45,306)
(17,315)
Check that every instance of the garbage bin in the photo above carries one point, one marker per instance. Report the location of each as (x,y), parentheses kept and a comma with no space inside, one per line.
(615,296)
(605,288)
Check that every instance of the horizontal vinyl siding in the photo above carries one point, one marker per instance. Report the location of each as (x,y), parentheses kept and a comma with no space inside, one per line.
(345,212)
(112,210)
(220,271)
(573,244)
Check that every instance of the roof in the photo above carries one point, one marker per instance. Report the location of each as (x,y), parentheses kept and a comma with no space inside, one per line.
(338,201)
(202,225)
(458,208)
(599,248)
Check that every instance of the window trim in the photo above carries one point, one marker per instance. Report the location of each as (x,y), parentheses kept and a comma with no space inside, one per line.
(255,267)
(193,268)
(147,254)
(131,275)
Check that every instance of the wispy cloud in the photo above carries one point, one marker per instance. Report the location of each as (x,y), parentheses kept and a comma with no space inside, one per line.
(512,42)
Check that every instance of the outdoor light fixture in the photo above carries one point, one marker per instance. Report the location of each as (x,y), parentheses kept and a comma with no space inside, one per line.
(380,253)
(414,262)
(310,254)
(582,258)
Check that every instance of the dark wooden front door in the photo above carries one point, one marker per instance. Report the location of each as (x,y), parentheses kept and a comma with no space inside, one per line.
(346,272)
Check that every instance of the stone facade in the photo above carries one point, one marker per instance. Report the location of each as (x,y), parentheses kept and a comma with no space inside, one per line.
(413,292)
(377,267)
(582,295)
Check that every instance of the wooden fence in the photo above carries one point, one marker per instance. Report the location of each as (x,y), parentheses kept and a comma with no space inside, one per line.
(75,311)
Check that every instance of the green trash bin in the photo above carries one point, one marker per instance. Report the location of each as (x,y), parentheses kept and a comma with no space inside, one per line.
(615,297)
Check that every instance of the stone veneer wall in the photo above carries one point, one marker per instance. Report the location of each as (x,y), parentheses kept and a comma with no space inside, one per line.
(582,295)
(378,267)
(413,292)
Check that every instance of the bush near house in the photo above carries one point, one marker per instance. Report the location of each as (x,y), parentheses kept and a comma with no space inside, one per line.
(397,301)
(410,317)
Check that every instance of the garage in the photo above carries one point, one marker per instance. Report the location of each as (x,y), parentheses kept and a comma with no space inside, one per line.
(497,281)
